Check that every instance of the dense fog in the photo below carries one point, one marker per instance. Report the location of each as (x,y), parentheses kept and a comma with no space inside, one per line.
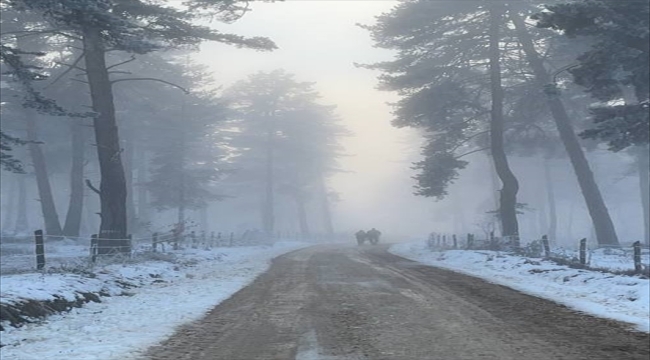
(316,128)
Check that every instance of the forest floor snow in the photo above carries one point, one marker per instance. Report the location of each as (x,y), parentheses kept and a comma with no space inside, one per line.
(157,297)
(618,297)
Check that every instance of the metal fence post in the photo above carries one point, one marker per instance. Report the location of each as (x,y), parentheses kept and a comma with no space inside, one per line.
(40,249)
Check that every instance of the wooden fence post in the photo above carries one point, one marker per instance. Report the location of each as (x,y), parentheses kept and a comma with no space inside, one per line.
(470,241)
(93,247)
(154,242)
(455,241)
(193,237)
(547,248)
(128,248)
(492,241)
(583,251)
(176,239)
(444,240)
(40,249)
(638,268)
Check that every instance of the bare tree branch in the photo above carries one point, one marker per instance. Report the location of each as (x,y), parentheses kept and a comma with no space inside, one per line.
(81,81)
(73,66)
(471,152)
(152,79)
(120,72)
(90,185)
(121,63)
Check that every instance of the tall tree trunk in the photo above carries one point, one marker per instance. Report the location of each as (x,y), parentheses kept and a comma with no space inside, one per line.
(542,201)
(552,209)
(494,194)
(325,207)
(643,163)
(9,196)
(22,224)
(129,144)
(90,215)
(180,164)
(302,215)
(458,214)
(50,216)
(603,224)
(142,193)
(268,216)
(75,208)
(508,195)
(112,188)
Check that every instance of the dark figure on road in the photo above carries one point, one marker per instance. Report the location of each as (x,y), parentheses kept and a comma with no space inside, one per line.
(361,237)
(373,235)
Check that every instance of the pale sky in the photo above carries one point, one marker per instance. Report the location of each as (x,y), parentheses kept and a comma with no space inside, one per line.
(318,41)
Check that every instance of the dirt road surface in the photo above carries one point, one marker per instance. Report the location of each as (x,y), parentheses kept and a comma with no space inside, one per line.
(333,303)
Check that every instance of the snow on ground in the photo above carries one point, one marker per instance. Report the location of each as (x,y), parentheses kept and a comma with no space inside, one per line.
(622,298)
(122,327)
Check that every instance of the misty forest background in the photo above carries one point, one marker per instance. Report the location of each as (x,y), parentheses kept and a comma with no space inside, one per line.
(529,117)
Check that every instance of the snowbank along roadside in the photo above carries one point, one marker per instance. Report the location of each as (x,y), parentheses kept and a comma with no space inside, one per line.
(622,298)
(165,295)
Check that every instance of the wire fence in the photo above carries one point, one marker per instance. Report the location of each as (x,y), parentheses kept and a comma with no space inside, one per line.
(42,252)
(628,258)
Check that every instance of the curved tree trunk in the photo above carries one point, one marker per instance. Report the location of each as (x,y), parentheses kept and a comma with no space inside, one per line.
(131,215)
(142,193)
(643,163)
(50,216)
(508,195)
(268,216)
(603,224)
(22,224)
(552,210)
(75,208)
(9,196)
(112,187)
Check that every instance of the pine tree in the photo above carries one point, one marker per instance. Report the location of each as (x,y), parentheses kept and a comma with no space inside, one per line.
(135,27)
(614,68)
